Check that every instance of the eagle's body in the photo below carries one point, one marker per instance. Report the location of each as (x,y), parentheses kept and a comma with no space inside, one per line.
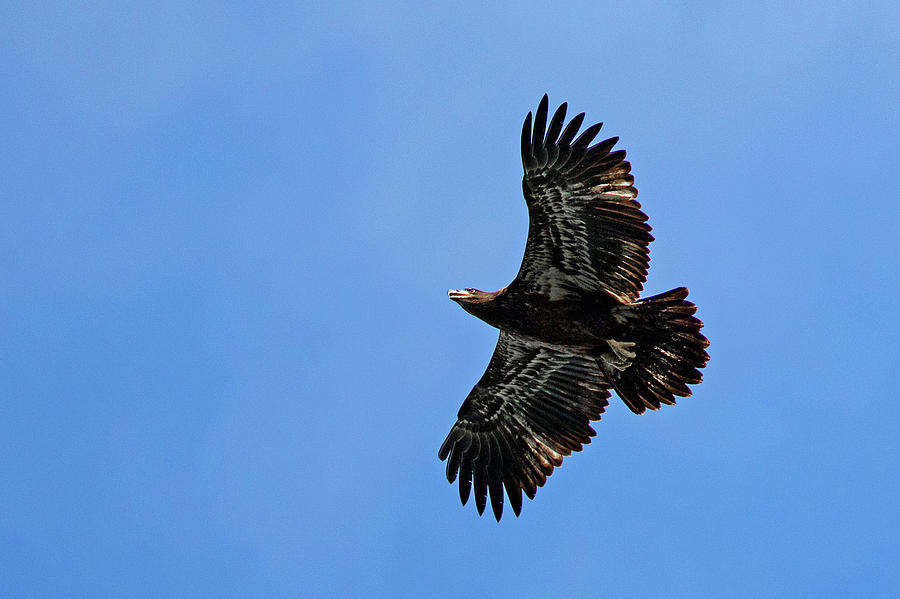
(571,324)
(579,323)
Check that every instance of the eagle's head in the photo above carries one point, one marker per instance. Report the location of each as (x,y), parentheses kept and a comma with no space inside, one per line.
(470,296)
(476,302)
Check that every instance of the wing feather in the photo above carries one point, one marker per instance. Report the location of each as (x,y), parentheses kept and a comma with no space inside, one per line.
(537,143)
(586,231)
(532,407)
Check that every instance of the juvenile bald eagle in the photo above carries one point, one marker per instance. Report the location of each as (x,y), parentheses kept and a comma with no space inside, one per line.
(571,324)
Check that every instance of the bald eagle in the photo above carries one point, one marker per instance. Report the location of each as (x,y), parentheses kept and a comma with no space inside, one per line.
(571,323)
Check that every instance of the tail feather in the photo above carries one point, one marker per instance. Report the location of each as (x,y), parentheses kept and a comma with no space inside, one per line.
(668,349)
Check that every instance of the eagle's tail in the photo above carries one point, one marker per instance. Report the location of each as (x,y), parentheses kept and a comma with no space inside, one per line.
(661,355)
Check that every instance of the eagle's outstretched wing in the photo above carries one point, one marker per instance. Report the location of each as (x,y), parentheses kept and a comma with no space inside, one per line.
(532,407)
(586,231)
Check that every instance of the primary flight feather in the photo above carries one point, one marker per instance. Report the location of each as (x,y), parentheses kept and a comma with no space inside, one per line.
(571,324)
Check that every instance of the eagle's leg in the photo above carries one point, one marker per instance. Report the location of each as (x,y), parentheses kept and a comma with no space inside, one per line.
(621,356)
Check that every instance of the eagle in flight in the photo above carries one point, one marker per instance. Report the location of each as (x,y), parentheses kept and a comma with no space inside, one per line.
(571,324)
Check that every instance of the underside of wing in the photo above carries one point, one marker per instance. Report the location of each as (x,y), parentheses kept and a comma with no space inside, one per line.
(532,407)
(586,231)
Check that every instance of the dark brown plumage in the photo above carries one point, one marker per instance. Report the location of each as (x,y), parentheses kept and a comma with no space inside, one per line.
(571,324)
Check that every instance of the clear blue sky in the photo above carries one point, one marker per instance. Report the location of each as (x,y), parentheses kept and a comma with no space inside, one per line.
(228,360)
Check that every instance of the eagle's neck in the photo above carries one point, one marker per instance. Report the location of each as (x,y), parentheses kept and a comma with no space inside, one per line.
(490,309)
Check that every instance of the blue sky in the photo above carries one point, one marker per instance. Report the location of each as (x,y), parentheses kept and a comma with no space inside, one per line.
(228,359)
